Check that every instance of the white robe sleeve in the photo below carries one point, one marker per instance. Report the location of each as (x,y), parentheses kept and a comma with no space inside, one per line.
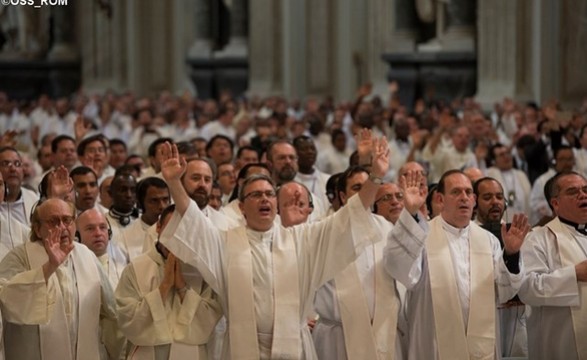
(547,283)
(403,254)
(330,245)
(24,296)
(195,240)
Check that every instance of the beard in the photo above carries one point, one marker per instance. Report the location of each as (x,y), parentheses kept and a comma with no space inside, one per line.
(201,197)
(286,174)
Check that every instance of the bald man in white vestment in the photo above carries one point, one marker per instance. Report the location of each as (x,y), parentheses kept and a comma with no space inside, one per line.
(555,257)
(267,277)
(455,271)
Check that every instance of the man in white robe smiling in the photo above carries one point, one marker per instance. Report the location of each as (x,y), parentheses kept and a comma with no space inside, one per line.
(452,271)
(267,277)
(555,257)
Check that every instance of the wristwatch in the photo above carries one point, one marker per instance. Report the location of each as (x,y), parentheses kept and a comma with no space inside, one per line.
(375,179)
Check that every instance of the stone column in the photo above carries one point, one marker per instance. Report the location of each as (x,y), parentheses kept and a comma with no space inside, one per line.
(266,47)
(202,45)
(63,48)
(403,38)
(460,30)
(238,43)
(504,50)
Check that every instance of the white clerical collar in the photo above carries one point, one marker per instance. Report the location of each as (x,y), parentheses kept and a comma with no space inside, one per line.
(453,230)
(260,236)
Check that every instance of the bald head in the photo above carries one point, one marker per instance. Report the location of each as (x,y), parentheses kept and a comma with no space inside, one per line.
(294,204)
(93,231)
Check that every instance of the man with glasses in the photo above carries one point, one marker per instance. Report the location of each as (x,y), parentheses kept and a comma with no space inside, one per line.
(389,202)
(555,257)
(18,201)
(267,276)
(55,296)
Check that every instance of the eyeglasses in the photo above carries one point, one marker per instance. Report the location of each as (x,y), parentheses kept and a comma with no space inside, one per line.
(96,150)
(56,221)
(387,197)
(575,191)
(6,163)
(257,195)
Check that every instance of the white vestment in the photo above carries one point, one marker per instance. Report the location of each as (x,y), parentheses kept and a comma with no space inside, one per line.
(113,263)
(330,331)
(133,238)
(12,234)
(62,319)
(551,290)
(516,183)
(538,205)
(322,250)
(21,208)
(162,330)
(405,260)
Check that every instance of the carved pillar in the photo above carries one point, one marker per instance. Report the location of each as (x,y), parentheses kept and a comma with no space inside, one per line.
(238,43)
(202,45)
(405,27)
(504,50)
(63,48)
(460,31)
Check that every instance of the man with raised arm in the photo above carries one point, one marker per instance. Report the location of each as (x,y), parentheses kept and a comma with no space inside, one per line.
(452,269)
(267,277)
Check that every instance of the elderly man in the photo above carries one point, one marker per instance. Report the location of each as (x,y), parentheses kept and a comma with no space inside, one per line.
(294,203)
(93,230)
(389,202)
(454,272)
(55,296)
(555,257)
(164,313)
(267,277)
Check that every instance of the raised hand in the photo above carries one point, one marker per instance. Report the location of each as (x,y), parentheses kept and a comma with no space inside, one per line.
(173,167)
(514,237)
(168,276)
(60,185)
(80,128)
(412,185)
(57,251)
(8,138)
(364,139)
(380,157)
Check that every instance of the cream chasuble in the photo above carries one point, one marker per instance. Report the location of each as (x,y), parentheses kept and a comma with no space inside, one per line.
(72,313)
(367,338)
(286,342)
(173,318)
(477,340)
(571,253)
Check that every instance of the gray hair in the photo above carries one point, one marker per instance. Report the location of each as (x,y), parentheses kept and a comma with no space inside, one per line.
(251,179)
